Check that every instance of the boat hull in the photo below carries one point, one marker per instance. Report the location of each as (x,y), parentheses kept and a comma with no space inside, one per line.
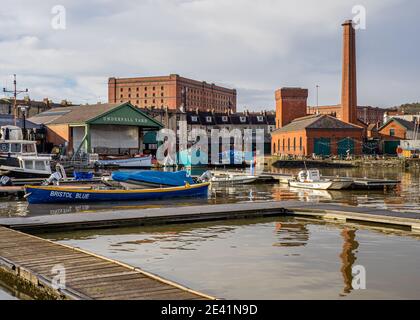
(340,185)
(53,194)
(230,181)
(22,174)
(311,185)
(143,162)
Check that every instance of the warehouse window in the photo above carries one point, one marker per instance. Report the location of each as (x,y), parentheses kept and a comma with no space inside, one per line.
(392,132)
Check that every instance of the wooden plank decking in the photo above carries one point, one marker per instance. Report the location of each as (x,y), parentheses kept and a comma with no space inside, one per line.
(88,276)
(189,214)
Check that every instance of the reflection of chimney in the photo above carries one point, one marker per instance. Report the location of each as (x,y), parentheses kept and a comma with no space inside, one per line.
(349,83)
(348,258)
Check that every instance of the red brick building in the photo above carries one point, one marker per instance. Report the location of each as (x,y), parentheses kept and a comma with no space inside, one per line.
(173,92)
(300,134)
(305,135)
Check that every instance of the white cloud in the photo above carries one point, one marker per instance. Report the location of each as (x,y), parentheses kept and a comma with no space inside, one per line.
(255,46)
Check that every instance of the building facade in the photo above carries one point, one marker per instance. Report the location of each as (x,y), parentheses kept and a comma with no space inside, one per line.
(105,129)
(326,130)
(366,114)
(173,91)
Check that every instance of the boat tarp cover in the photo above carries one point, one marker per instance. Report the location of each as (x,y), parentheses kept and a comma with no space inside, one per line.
(179,178)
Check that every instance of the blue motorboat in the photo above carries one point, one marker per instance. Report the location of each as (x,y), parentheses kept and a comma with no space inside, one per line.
(59,194)
(152,178)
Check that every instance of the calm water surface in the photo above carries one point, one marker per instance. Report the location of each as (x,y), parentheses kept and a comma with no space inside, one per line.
(5,293)
(405,197)
(284,258)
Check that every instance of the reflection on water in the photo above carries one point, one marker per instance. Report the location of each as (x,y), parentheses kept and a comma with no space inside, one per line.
(348,257)
(405,197)
(7,293)
(283,258)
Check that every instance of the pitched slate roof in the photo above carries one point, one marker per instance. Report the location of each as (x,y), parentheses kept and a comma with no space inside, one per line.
(317,121)
(48,116)
(409,125)
(84,113)
(81,114)
(8,120)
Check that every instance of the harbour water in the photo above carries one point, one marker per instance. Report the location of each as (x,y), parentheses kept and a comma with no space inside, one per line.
(405,197)
(283,258)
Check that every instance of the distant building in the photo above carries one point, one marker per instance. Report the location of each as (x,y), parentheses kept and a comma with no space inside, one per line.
(208,121)
(106,129)
(34,107)
(173,91)
(400,129)
(241,121)
(321,132)
(388,115)
(366,114)
(395,130)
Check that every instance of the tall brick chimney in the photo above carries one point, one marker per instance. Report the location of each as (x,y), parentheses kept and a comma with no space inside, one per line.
(291,103)
(349,83)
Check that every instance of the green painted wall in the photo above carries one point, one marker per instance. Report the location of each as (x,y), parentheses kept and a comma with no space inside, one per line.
(126,115)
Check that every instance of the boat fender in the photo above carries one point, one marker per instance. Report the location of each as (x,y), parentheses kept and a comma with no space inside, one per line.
(27,195)
(54,178)
(6,181)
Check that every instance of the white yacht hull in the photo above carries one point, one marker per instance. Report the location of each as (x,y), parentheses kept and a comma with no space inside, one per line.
(234,180)
(311,185)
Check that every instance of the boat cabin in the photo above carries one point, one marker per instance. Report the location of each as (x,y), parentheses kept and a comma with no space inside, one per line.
(41,164)
(309,176)
(17,148)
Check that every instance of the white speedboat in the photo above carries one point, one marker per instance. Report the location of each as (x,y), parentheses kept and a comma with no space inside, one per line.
(228,178)
(311,179)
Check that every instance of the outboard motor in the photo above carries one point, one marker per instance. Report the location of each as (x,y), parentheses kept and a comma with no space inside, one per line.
(5,181)
(205,177)
(54,179)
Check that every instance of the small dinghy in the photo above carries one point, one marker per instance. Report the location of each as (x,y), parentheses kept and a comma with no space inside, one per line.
(228,178)
(311,179)
(59,194)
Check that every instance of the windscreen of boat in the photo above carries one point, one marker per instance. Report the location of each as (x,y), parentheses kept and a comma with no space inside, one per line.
(28,148)
(15,147)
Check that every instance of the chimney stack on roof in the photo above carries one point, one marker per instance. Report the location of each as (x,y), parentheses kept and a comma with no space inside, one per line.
(349,80)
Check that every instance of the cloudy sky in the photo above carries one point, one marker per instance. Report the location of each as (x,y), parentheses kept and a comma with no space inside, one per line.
(253,46)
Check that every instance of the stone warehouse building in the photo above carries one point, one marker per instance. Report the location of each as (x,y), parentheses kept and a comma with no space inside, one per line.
(300,134)
(173,91)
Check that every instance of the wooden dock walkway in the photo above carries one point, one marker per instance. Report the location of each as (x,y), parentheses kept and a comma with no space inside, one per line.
(188,214)
(87,276)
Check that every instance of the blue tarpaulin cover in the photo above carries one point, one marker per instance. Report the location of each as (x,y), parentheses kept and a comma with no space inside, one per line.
(179,178)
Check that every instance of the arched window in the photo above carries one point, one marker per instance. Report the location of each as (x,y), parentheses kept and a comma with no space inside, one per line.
(288,144)
(294,144)
(284,144)
(300,143)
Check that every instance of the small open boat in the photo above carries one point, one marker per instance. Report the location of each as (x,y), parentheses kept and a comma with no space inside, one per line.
(135,162)
(228,178)
(311,179)
(59,194)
